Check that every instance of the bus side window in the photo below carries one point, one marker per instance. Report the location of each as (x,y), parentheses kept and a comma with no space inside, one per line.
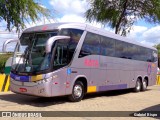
(91,45)
(121,49)
(107,46)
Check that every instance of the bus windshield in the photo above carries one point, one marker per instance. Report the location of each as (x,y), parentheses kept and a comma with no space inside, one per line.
(30,55)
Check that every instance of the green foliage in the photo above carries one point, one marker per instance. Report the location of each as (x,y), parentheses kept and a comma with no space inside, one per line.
(122,14)
(158,48)
(17,12)
(3,59)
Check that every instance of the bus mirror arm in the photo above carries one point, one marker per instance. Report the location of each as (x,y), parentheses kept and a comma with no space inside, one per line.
(7,42)
(51,40)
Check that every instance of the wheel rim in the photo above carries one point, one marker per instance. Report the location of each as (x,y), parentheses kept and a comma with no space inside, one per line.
(138,85)
(77,91)
(144,85)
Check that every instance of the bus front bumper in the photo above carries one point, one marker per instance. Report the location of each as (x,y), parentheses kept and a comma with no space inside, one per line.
(31,88)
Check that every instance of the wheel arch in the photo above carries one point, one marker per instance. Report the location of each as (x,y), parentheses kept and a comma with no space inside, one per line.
(147,79)
(140,78)
(83,79)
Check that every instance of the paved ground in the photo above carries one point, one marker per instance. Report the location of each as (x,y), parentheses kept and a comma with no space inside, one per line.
(124,100)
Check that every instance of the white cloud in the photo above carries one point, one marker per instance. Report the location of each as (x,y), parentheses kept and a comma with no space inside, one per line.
(147,36)
(70,10)
(139,29)
(77,7)
(152,35)
(71,18)
(136,32)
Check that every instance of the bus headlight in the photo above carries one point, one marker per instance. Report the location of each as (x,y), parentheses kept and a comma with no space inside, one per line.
(44,80)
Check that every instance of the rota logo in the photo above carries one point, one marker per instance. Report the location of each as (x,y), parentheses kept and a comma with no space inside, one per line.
(91,63)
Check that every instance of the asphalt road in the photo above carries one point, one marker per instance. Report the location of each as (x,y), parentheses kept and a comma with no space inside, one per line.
(123,100)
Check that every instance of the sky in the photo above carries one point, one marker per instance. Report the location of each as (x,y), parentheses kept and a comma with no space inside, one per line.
(73,11)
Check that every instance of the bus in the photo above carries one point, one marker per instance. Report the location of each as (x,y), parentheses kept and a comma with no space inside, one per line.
(73,59)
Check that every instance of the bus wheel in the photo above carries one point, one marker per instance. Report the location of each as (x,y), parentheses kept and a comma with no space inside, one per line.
(144,85)
(77,92)
(138,86)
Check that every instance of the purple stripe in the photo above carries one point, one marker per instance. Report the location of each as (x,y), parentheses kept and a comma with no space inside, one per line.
(12,76)
(24,78)
(19,78)
(112,87)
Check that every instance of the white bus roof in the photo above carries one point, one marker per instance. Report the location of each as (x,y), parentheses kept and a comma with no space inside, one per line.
(83,26)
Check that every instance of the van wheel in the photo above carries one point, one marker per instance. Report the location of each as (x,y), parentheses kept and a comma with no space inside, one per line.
(144,85)
(77,92)
(138,86)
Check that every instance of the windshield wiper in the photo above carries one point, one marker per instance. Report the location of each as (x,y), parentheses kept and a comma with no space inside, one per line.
(18,64)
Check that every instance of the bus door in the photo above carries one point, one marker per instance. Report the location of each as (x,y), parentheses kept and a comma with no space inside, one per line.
(59,65)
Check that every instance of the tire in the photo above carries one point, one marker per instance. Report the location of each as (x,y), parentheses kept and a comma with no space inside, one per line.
(138,85)
(144,85)
(77,92)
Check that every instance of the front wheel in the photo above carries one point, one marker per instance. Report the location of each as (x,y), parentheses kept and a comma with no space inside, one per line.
(77,92)
(138,86)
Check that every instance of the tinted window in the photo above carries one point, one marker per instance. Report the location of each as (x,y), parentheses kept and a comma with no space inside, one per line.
(28,38)
(121,49)
(145,54)
(107,46)
(136,52)
(132,51)
(91,45)
(115,48)
(75,35)
(60,54)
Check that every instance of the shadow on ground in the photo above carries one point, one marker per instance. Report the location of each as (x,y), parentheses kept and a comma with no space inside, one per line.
(110,93)
(44,102)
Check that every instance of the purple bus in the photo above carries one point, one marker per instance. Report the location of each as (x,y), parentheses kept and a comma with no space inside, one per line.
(74,59)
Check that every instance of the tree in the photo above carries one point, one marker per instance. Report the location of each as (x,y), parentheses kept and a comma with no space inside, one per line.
(122,14)
(17,12)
